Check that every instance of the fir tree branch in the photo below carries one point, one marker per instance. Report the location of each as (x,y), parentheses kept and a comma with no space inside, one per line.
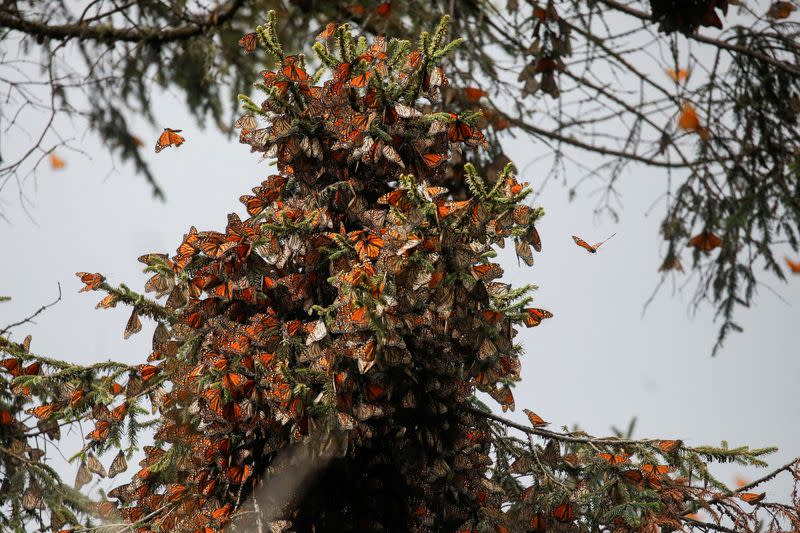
(102,32)
(643,15)
(759,481)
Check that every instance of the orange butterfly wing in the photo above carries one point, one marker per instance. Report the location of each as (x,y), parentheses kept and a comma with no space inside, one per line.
(564,512)
(583,244)
(169,137)
(433,160)
(688,119)
(535,420)
(473,94)
(794,266)
(752,498)
(705,242)
(248,42)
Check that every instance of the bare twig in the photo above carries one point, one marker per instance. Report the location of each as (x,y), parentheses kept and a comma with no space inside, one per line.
(30,318)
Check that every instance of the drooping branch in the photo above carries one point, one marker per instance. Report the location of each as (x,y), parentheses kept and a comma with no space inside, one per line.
(218,16)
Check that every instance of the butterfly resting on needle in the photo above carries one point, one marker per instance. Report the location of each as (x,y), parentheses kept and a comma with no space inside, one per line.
(589,248)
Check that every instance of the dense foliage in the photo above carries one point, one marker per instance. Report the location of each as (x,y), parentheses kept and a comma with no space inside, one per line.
(315,365)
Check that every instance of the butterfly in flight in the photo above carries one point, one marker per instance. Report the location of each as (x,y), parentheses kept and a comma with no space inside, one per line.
(56,162)
(794,266)
(588,247)
(705,242)
(169,137)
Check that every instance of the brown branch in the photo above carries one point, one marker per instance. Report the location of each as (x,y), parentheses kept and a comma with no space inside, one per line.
(644,15)
(534,130)
(707,525)
(103,32)
(759,481)
(34,315)
(560,436)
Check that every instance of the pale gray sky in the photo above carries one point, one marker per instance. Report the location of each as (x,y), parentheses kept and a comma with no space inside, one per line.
(597,363)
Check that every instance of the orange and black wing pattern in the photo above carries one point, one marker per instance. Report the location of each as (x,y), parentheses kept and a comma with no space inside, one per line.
(705,242)
(169,137)
(583,244)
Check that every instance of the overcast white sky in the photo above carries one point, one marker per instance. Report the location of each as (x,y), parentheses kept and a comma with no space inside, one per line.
(598,363)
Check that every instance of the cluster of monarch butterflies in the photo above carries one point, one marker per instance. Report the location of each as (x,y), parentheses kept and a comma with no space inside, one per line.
(355,270)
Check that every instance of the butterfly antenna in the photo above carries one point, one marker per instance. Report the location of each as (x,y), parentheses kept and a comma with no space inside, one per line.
(609,237)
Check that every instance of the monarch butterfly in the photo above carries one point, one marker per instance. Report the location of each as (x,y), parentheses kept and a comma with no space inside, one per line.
(214,398)
(108,301)
(535,239)
(232,381)
(383,9)
(473,94)
(752,498)
(77,396)
(175,492)
(6,418)
(101,431)
(491,316)
(656,469)
(32,369)
(292,71)
(538,523)
(689,121)
(12,365)
(780,10)
(133,514)
(56,163)
(794,266)
(249,41)
(534,316)
(95,466)
(459,131)
(32,499)
(445,209)
(42,412)
(119,464)
(133,326)
(487,271)
(374,391)
(147,372)
(169,137)
(434,160)
(564,512)
(361,79)
(327,32)
(368,247)
(705,242)
(679,75)
(535,420)
(586,246)
(671,262)
(632,476)
(396,198)
(92,281)
(669,446)
(613,459)
(246,122)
